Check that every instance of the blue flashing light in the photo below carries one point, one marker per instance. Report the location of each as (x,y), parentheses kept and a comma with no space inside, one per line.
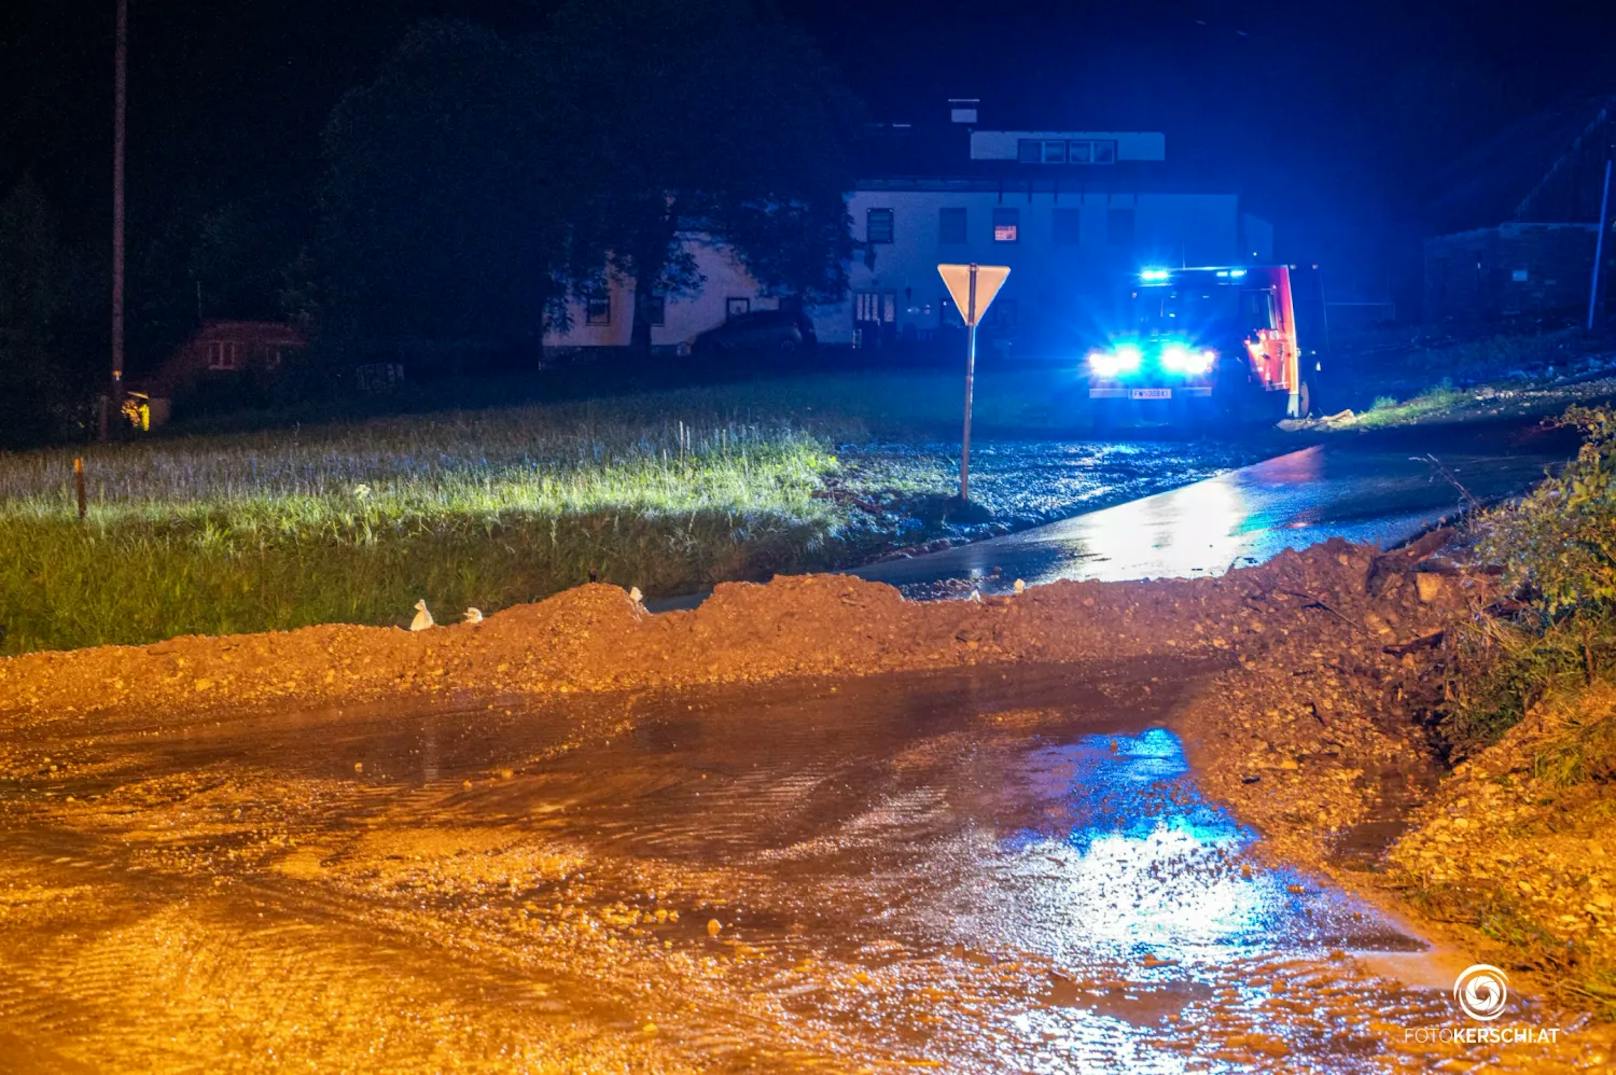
(1154,276)
(1124,359)
(1179,357)
(1236,274)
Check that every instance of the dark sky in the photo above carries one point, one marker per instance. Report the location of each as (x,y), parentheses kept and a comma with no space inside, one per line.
(1332,117)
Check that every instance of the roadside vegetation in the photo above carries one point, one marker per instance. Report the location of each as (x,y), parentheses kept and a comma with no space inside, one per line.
(671,491)
(1409,378)
(1517,843)
(354,523)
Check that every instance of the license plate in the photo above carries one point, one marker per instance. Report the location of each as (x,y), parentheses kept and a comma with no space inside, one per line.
(1150,393)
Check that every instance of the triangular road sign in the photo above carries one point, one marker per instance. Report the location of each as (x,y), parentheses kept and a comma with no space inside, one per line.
(988,279)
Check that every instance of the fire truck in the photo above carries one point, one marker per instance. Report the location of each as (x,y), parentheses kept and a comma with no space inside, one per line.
(1220,342)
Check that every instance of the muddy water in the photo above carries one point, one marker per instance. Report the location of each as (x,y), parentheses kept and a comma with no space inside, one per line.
(980,871)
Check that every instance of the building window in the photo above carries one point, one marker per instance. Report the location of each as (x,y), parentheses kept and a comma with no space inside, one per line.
(1066,151)
(735,307)
(224,355)
(1068,227)
(598,310)
(1119,227)
(1006,225)
(656,310)
(877,306)
(951,225)
(878,226)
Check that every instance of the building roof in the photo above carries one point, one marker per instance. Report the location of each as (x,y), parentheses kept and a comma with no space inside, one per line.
(938,156)
(216,329)
(1098,180)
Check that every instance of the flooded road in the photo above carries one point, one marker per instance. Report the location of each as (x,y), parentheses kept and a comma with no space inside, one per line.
(1005,870)
(1380,489)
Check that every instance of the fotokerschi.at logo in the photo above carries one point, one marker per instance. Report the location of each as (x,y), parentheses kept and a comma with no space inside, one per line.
(1481,990)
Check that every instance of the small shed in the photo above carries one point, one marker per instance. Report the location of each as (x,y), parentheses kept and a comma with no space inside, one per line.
(220,350)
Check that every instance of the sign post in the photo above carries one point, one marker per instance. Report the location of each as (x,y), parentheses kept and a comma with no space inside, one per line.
(973,288)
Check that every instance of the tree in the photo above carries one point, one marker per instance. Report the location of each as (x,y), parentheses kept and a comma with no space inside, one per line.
(46,375)
(701,118)
(439,211)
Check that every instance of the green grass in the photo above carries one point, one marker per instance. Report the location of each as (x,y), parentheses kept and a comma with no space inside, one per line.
(1387,411)
(352,522)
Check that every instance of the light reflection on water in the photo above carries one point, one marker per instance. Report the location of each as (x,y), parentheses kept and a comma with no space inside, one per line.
(1199,528)
(1123,856)
(1157,927)
(1147,861)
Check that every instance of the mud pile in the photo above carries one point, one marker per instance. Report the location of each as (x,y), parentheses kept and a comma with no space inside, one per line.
(594,638)
(1304,730)
(1311,663)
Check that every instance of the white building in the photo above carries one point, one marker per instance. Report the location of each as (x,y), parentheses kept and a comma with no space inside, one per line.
(607,319)
(1073,213)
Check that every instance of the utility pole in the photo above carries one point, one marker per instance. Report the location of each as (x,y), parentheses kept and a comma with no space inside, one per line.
(120,107)
(1599,248)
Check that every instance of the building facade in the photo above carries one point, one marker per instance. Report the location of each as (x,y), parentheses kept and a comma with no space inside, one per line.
(224,349)
(1072,254)
(1073,213)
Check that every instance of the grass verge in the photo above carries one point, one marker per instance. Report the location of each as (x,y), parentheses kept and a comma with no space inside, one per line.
(1416,380)
(670,491)
(353,523)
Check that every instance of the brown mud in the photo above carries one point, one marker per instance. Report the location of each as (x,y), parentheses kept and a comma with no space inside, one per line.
(808,825)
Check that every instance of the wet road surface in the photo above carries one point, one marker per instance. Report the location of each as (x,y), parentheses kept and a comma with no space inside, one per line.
(1378,489)
(1005,870)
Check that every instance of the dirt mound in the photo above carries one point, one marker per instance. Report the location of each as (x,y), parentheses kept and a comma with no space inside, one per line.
(595,638)
(1305,732)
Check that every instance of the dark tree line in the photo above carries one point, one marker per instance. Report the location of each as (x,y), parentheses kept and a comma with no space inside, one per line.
(471,186)
(479,181)
(49,293)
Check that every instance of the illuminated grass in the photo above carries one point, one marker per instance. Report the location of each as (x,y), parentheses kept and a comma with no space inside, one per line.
(1434,402)
(353,523)
(670,491)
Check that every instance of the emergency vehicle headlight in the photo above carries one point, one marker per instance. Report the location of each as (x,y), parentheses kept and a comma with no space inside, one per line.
(1154,276)
(1179,358)
(1122,360)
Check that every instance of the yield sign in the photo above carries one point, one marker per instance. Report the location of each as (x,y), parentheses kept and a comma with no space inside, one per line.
(973,287)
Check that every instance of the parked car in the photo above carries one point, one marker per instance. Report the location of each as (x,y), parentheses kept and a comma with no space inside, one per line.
(758,331)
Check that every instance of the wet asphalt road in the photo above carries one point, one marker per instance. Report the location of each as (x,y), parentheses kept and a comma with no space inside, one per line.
(983,871)
(1378,488)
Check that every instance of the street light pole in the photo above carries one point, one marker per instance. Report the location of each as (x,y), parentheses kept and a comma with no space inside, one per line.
(120,106)
(1599,248)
